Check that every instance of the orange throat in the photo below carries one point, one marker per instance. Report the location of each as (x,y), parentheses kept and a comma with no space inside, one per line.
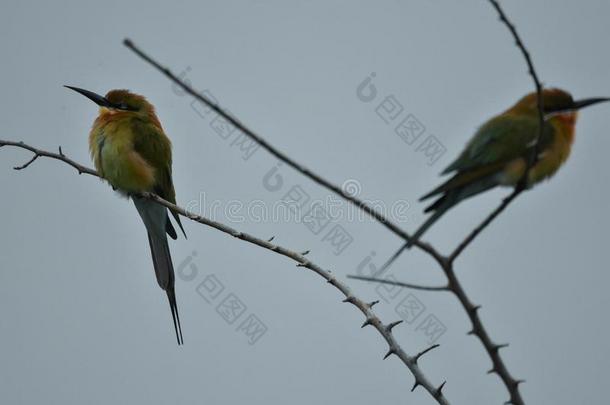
(107,115)
(567,122)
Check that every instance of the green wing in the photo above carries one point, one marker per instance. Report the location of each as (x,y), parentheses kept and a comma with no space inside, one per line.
(154,146)
(501,140)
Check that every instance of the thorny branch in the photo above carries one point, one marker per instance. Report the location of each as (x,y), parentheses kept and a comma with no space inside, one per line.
(385,330)
(478,329)
(401,284)
(445,262)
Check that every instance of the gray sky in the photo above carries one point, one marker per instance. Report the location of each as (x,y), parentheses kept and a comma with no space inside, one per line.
(82,318)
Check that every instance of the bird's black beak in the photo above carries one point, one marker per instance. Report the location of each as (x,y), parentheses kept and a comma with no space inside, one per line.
(96,98)
(588,101)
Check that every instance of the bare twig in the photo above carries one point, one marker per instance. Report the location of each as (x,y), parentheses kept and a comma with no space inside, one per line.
(385,330)
(26,164)
(400,284)
(42,153)
(477,326)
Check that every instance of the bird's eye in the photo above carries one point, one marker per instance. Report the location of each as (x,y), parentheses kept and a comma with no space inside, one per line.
(124,106)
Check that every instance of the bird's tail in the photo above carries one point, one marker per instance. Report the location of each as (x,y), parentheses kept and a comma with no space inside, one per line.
(451,195)
(426,225)
(155,218)
(407,245)
(164,270)
(455,190)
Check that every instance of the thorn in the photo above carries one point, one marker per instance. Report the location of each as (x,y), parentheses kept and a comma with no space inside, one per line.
(388,354)
(502,346)
(372,303)
(368,322)
(518,382)
(300,264)
(305,253)
(271,239)
(471,332)
(391,326)
(415,385)
(475,308)
(492,370)
(61,153)
(439,390)
(349,299)
(418,355)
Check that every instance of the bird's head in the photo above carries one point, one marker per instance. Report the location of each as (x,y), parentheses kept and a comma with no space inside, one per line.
(120,103)
(555,102)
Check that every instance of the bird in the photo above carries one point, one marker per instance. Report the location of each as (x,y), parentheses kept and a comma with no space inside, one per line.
(133,154)
(500,151)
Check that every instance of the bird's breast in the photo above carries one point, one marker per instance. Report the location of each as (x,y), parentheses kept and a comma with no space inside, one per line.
(557,152)
(550,159)
(115,159)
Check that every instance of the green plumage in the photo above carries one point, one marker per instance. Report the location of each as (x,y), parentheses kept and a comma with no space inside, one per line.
(498,153)
(131,151)
(152,144)
(501,140)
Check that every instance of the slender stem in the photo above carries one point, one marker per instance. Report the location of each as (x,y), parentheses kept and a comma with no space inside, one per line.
(400,283)
(476,231)
(533,157)
(478,329)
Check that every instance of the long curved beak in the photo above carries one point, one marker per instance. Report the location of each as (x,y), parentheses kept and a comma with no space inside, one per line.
(96,98)
(588,102)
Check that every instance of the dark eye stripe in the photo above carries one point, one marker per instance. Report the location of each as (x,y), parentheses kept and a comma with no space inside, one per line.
(125,107)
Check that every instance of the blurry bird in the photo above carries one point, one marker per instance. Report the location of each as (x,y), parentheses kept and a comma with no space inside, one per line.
(131,151)
(498,153)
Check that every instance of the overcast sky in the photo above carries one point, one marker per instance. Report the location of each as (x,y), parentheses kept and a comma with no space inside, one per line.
(82,319)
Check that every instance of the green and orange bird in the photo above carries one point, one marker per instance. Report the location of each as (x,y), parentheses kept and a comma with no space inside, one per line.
(498,153)
(130,150)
